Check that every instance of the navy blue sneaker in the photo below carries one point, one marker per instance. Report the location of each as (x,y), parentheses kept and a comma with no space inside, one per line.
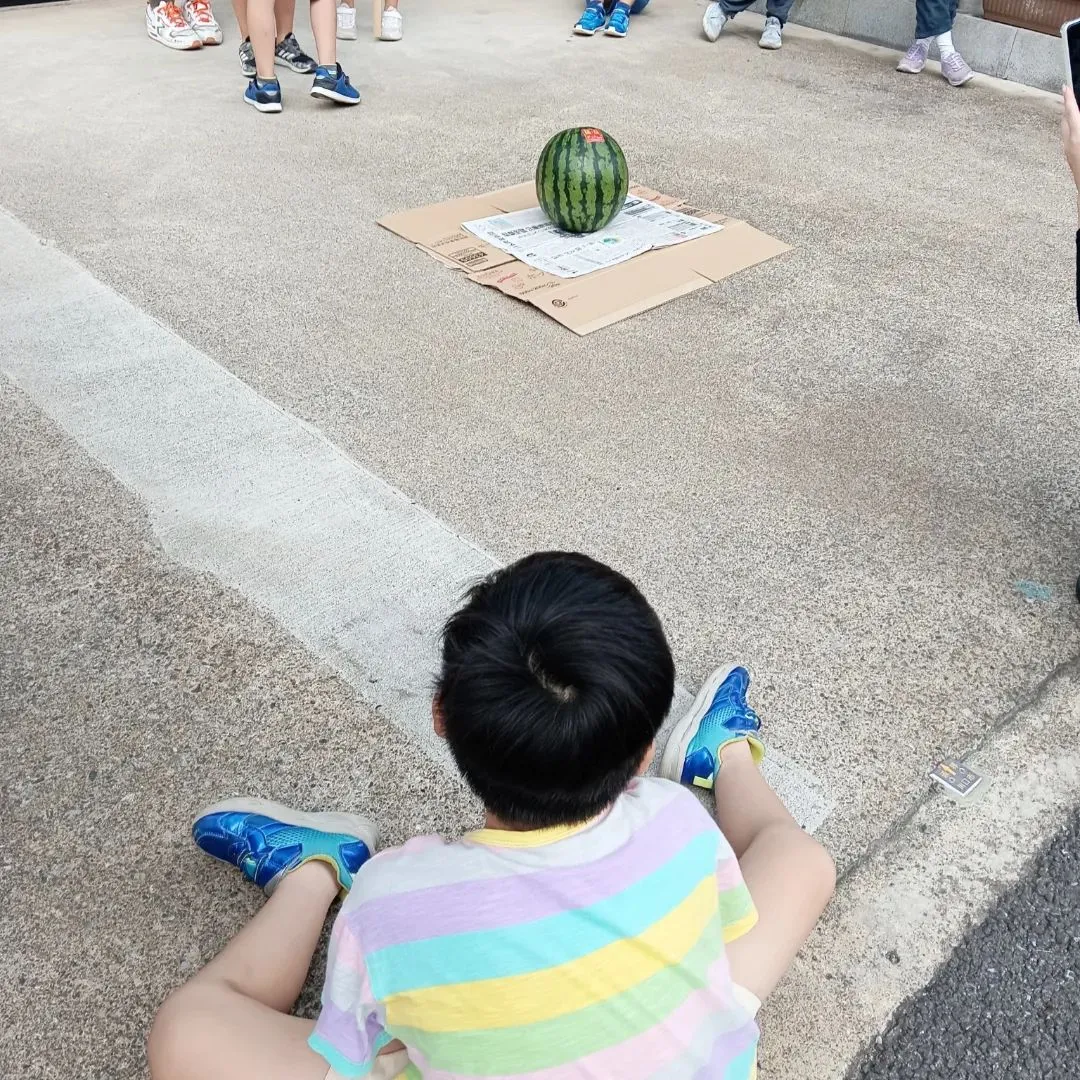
(618,21)
(719,715)
(332,83)
(265,96)
(593,18)
(266,841)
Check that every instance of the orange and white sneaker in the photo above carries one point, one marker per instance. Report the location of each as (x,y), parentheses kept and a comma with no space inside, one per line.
(200,17)
(166,24)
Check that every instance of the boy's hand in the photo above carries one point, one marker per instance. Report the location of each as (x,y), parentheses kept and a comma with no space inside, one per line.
(1070,135)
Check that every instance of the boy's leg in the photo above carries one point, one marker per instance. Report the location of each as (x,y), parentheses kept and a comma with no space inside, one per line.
(779,9)
(261,28)
(789,874)
(324,29)
(230,1021)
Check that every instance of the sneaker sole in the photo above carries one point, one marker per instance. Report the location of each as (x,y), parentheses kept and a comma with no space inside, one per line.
(331,95)
(346,35)
(265,107)
(961,82)
(910,70)
(300,69)
(770,48)
(362,828)
(614,33)
(582,32)
(390,37)
(176,46)
(212,40)
(681,735)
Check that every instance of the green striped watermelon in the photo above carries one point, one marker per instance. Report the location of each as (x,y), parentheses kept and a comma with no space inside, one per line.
(581,179)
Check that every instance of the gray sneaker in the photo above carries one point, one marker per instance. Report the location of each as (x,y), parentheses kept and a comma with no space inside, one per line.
(247,58)
(714,21)
(770,38)
(955,68)
(915,58)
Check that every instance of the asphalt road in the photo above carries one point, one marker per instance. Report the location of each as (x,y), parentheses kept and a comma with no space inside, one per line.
(1006,1003)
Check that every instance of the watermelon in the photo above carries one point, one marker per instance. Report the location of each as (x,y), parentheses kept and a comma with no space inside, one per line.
(581,179)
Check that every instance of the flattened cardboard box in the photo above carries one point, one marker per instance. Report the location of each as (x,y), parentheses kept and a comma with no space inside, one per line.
(596,300)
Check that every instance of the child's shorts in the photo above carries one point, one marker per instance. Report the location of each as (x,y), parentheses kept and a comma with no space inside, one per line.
(391,1066)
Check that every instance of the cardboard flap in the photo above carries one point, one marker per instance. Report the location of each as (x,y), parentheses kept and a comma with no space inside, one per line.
(725,253)
(437,230)
(510,200)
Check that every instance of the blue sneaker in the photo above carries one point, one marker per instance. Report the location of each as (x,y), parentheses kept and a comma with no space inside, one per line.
(619,21)
(266,841)
(719,715)
(593,18)
(265,96)
(333,84)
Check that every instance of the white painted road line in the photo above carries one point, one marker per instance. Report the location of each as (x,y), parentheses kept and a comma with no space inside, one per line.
(238,488)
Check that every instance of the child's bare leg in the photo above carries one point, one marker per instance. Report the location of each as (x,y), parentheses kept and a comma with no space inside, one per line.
(324,29)
(230,1021)
(789,874)
(261,29)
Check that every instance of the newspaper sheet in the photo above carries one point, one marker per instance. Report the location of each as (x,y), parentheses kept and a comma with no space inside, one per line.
(530,236)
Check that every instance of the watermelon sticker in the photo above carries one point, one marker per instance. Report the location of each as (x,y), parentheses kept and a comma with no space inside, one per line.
(592,134)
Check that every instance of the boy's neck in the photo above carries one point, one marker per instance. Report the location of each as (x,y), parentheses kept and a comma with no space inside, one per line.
(493,822)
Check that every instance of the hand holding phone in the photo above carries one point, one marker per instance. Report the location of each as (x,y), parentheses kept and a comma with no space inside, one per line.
(1070,34)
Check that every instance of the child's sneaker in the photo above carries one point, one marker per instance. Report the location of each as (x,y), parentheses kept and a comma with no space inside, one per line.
(199,15)
(288,53)
(618,21)
(719,715)
(333,84)
(265,96)
(266,841)
(955,68)
(713,21)
(592,19)
(772,37)
(346,22)
(166,23)
(247,58)
(390,29)
(914,60)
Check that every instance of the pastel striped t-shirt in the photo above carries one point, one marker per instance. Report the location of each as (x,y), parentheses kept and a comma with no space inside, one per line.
(594,951)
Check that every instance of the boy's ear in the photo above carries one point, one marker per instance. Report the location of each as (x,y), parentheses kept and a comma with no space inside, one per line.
(647,760)
(437,718)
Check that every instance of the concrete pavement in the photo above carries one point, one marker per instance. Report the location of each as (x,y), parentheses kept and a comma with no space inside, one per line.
(845,467)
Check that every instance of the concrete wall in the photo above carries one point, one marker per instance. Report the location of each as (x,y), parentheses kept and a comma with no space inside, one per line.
(992,48)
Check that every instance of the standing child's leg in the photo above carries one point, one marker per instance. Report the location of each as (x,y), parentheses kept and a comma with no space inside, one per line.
(331,82)
(789,874)
(390,24)
(231,1022)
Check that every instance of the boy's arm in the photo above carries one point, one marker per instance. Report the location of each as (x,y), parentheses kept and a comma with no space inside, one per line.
(349,1033)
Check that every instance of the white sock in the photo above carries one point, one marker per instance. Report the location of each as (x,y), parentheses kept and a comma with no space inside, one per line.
(945,45)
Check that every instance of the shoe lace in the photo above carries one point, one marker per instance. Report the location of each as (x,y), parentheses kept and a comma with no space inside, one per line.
(171,13)
(200,10)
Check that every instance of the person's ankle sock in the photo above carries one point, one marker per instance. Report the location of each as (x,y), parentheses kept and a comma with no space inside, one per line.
(945,45)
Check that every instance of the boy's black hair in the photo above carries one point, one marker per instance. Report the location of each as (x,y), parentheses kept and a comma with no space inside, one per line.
(555,678)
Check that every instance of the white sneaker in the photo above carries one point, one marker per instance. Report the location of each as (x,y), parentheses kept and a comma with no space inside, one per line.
(200,17)
(771,36)
(391,25)
(346,23)
(166,24)
(714,21)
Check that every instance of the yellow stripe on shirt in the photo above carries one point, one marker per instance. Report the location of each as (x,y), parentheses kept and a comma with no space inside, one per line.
(543,995)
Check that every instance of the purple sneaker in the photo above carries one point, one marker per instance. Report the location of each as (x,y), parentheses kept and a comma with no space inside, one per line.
(915,58)
(955,68)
